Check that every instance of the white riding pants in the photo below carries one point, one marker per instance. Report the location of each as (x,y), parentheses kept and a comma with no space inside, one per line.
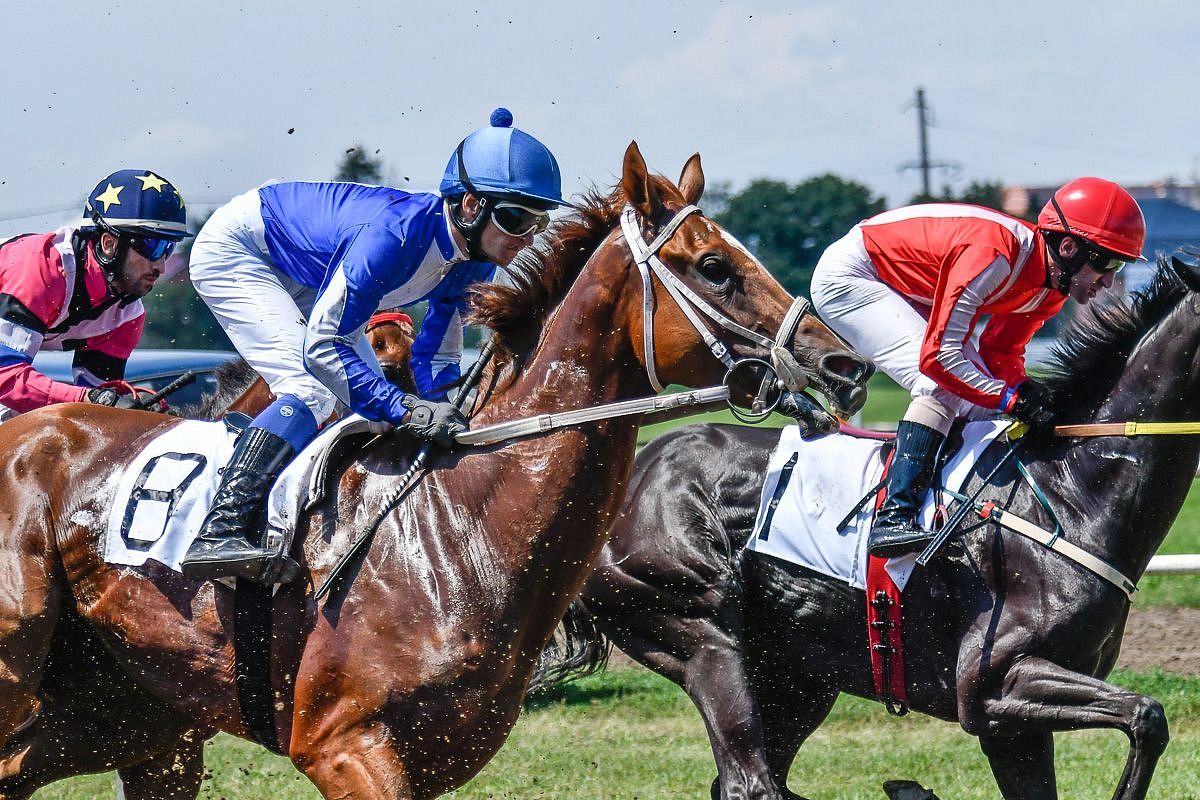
(263,311)
(881,323)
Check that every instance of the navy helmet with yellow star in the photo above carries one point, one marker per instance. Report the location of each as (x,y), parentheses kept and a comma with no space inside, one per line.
(136,202)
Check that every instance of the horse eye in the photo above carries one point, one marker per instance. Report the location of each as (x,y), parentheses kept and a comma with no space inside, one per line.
(714,270)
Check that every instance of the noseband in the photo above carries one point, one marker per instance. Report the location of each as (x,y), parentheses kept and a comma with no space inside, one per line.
(646,257)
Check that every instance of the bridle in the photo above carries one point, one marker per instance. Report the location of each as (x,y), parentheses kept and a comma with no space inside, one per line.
(782,364)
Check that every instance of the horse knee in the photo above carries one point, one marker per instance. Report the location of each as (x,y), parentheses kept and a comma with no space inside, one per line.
(1148,726)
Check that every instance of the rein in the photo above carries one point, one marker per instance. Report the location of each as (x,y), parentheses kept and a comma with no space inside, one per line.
(529,426)
(1130,428)
(647,260)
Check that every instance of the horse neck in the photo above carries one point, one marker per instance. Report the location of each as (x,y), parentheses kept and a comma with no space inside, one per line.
(571,480)
(1126,491)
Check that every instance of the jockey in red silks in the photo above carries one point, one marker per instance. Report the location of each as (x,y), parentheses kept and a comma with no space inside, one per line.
(945,297)
(79,288)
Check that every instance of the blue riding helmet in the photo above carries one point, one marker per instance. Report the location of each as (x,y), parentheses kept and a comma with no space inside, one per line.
(138,203)
(504,161)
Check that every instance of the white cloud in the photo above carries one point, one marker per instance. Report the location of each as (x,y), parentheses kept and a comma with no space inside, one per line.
(745,57)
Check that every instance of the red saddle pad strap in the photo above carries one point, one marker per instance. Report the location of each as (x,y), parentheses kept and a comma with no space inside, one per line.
(884,633)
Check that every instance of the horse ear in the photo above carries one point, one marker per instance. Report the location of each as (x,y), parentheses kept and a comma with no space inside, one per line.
(636,183)
(691,180)
(1188,273)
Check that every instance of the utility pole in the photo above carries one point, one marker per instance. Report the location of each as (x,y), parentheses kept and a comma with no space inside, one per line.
(924,136)
(924,120)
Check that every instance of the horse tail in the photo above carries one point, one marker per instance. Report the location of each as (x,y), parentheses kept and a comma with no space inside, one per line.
(577,649)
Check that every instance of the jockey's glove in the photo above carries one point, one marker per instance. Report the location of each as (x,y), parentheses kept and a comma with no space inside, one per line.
(1034,405)
(111,398)
(432,420)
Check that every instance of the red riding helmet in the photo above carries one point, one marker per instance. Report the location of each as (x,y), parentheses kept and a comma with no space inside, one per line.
(1099,211)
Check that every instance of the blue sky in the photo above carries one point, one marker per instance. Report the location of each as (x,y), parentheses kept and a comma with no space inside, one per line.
(205,93)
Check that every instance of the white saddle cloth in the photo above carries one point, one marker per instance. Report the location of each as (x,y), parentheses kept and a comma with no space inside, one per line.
(829,477)
(165,492)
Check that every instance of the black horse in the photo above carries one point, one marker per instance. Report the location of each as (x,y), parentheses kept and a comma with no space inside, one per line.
(1002,635)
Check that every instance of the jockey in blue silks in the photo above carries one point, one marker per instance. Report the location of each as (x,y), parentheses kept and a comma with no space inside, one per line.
(293,271)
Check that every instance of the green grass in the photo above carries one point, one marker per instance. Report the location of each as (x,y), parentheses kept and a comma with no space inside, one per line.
(630,734)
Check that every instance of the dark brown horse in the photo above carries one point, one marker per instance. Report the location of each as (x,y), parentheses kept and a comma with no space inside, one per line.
(1002,635)
(405,681)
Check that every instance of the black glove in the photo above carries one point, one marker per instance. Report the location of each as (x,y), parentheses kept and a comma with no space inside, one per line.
(813,421)
(432,421)
(1035,405)
(111,398)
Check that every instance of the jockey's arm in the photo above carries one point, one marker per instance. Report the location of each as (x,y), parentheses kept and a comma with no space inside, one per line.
(352,293)
(24,305)
(33,292)
(973,277)
(103,358)
(437,349)
(1002,345)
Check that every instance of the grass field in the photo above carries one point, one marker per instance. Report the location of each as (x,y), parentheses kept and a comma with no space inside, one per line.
(630,734)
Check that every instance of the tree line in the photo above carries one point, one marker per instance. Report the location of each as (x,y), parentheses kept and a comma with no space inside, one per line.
(787,225)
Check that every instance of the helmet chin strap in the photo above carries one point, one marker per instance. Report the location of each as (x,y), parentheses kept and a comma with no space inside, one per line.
(110,264)
(1066,269)
(472,231)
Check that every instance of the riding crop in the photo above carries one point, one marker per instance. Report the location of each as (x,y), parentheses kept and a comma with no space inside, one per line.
(1016,430)
(183,380)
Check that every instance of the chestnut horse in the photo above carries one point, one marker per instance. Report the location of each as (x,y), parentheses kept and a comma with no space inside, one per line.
(408,679)
(1002,635)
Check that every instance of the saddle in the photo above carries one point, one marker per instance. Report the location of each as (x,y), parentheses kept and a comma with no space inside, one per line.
(816,510)
(165,492)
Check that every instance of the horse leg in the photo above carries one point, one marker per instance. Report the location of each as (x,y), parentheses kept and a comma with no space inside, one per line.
(358,762)
(1039,697)
(92,717)
(29,609)
(1022,765)
(792,707)
(173,775)
(707,662)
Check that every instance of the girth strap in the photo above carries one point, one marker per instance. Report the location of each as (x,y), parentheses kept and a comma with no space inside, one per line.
(989,511)
(252,661)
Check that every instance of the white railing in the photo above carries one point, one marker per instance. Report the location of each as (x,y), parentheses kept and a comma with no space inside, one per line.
(1188,564)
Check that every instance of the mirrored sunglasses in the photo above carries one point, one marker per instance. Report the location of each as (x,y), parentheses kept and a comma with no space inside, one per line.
(150,248)
(517,220)
(1103,262)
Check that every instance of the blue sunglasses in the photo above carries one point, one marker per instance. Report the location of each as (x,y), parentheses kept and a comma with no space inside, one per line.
(150,248)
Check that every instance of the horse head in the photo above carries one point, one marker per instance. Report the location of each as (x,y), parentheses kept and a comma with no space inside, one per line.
(710,311)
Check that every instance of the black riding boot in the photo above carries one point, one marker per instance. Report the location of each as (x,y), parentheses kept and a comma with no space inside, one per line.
(896,530)
(222,549)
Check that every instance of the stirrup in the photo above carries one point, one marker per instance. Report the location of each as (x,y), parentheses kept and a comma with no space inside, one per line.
(254,564)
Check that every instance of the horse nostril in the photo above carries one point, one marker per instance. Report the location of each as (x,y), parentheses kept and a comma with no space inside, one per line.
(846,366)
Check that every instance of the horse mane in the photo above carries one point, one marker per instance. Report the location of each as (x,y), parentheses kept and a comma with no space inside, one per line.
(542,273)
(1090,357)
(233,378)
